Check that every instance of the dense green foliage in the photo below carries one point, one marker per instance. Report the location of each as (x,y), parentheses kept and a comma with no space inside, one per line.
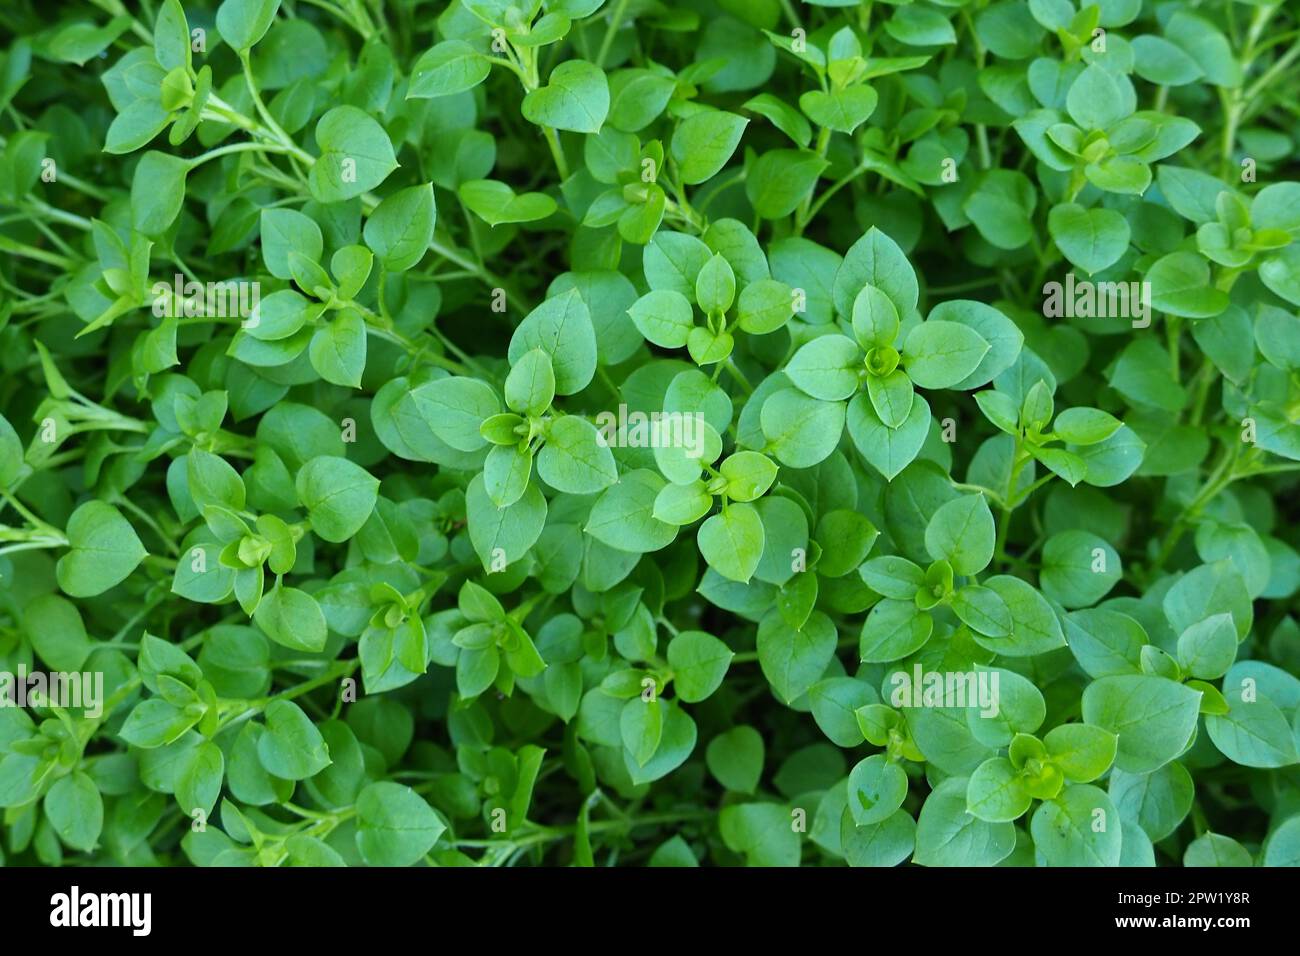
(564,431)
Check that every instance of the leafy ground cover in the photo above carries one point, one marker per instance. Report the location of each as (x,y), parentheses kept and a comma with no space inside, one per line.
(709,432)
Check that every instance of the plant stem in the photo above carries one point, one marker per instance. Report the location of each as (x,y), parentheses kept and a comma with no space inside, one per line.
(805,213)
(615,22)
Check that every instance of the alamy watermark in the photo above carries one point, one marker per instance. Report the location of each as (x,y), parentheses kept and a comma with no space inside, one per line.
(634,429)
(66,689)
(1081,299)
(74,908)
(219,300)
(923,688)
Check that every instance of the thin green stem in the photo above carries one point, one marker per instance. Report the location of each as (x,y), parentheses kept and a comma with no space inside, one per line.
(241,147)
(615,22)
(805,212)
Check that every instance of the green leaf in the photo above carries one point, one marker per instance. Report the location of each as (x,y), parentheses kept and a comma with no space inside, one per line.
(103,550)
(875,318)
(1097,100)
(401,227)
(1153,716)
(888,450)
(1283,846)
(1253,733)
(171,36)
(641,724)
(560,327)
(834,702)
(496,203)
(11,453)
(1082,752)
(1001,207)
(841,110)
(1004,337)
(395,826)
(735,758)
(793,659)
(1191,193)
(157,192)
(893,630)
(983,610)
(801,431)
(715,286)
(748,475)
(56,632)
(243,23)
(212,481)
(457,406)
(682,504)
(703,142)
(762,832)
(75,810)
(1092,239)
(764,306)
(155,723)
(1158,801)
(292,747)
(664,317)
(947,835)
(699,662)
(995,792)
(1208,648)
(940,354)
(1085,426)
(575,459)
(626,516)
(846,537)
(575,97)
(876,260)
(961,533)
(284,231)
(338,349)
(1278,273)
(293,618)
(1211,589)
(504,533)
(1105,642)
(779,180)
(1215,849)
(1078,568)
(827,367)
(782,115)
(338,496)
(1081,827)
(877,788)
(198,779)
(893,576)
(476,669)
(1035,628)
(450,67)
(282,315)
(1180,285)
(676,744)
(637,97)
(356,155)
(672,261)
(732,541)
(530,386)
(135,126)
(920,26)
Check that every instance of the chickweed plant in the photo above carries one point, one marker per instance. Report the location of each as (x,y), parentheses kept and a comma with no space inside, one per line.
(649,432)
